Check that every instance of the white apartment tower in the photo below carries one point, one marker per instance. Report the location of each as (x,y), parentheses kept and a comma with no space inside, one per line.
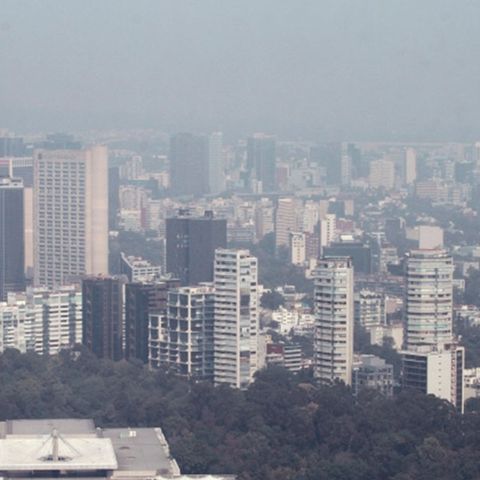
(328,229)
(334,320)
(285,221)
(41,320)
(182,340)
(236,318)
(70,214)
(298,251)
(429,280)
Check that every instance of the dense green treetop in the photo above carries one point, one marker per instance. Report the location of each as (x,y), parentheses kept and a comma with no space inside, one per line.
(283,427)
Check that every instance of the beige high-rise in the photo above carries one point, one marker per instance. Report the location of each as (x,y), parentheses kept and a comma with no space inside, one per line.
(70,214)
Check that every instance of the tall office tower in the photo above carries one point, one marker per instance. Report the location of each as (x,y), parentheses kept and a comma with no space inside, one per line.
(328,157)
(346,169)
(141,300)
(428,302)
(71,214)
(191,244)
(182,340)
(216,165)
(328,230)
(113,197)
(236,318)
(28,233)
(285,221)
(12,242)
(410,166)
(334,320)
(103,316)
(382,174)
(188,164)
(41,320)
(261,162)
(360,166)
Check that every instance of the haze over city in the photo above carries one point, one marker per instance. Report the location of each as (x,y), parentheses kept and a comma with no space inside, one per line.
(239,240)
(322,70)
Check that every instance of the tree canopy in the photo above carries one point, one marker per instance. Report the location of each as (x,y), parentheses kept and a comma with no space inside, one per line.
(282,427)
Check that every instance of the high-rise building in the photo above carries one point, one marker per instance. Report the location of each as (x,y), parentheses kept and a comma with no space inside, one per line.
(216,167)
(12,242)
(41,320)
(191,244)
(189,158)
(328,230)
(347,246)
(102,299)
(410,166)
(10,145)
(374,373)
(382,174)
(141,300)
(113,197)
(138,270)
(436,372)
(370,308)
(428,302)
(236,318)
(261,162)
(285,221)
(182,340)
(71,215)
(298,250)
(334,320)
(328,157)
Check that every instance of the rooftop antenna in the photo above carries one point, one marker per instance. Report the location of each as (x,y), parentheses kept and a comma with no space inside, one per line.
(55,445)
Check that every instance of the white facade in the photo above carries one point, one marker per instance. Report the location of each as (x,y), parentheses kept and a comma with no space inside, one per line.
(285,221)
(42,321)
(370,308)
(437,372)
(429,301)
(328,230)
(410,166)
(298,248)
(236,318)
(70,214)
(182,340)
(334,320)
(382,174)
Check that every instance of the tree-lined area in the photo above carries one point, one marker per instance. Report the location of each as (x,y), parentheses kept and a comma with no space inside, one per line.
(282,427)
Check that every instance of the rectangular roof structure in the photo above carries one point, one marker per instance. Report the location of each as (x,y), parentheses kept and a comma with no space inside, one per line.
(65,426)
(26,454)
(141,450)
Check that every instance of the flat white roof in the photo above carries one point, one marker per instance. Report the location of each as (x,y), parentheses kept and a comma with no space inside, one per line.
(75,453)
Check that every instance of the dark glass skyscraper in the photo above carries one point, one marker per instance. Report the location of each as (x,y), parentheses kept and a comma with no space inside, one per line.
(102,299)
(261,161)
(142,299)
(189,159)
(191,244)
(12,245)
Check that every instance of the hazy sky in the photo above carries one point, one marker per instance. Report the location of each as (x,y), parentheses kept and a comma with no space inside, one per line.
(318,69)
